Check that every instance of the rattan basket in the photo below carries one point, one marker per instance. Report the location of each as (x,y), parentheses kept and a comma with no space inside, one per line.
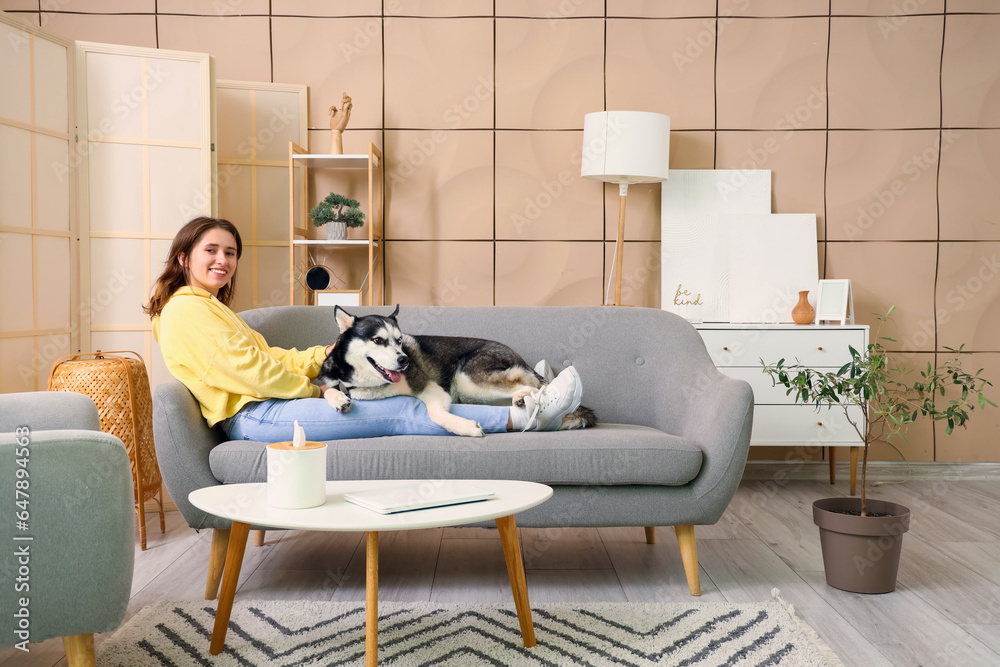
(119,387)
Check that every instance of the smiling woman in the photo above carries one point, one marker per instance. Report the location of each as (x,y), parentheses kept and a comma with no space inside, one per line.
(255,391)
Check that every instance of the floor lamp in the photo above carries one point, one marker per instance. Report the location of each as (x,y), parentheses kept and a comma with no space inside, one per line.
(625,147)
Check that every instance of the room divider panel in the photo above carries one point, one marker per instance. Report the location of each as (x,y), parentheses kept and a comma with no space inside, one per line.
(145,125)
(38,222)
(260,120)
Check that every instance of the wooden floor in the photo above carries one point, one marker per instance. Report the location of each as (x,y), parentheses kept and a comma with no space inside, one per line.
(945,611)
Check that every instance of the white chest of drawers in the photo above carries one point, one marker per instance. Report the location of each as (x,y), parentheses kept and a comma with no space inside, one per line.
(737,350)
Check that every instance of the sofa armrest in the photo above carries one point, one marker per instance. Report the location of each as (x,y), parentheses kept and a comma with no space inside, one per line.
(48,411)
(720,419)
(78,505)
(183,443)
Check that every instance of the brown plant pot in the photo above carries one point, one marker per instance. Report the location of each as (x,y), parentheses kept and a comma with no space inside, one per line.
(861,553)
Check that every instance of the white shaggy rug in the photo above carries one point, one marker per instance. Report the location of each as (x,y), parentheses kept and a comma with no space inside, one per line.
(333,633)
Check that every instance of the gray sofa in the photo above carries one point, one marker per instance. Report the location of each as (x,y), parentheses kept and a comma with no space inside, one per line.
(669,451)
(79,511)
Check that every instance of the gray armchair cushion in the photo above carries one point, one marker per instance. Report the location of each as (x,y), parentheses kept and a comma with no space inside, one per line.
(48,411)
(81,519)
(608,454)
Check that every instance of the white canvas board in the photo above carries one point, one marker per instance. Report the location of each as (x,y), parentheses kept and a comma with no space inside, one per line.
(695,225)
(338,298)
(772,258)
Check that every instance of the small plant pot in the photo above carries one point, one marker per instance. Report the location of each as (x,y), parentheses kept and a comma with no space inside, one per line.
(336,231)
(861,553)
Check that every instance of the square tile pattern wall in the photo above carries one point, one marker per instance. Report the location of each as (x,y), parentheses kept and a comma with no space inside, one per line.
(881,117)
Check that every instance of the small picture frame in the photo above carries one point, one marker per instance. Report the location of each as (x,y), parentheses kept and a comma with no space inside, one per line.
(338,297)
(834,302)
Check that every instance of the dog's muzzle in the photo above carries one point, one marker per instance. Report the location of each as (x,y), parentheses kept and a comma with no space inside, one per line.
(391,376)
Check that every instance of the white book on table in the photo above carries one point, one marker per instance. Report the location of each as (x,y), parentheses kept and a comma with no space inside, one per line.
(422,495)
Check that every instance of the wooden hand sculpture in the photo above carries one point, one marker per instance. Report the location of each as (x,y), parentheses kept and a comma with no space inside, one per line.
(338,121)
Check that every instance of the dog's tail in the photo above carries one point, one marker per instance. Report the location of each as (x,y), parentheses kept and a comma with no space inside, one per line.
(581,418)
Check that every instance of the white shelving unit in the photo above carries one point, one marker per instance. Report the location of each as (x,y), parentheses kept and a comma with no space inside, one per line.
(298,221)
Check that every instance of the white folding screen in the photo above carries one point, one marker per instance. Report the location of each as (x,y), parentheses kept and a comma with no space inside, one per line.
(256,122)
(145,125)
(38,298)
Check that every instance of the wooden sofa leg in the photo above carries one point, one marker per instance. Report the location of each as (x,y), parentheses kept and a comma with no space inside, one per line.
(258,537)
(216,561)
(689,555)
(650,535)
(80,650)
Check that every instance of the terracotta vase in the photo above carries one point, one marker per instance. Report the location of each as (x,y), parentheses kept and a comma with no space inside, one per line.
(803,313)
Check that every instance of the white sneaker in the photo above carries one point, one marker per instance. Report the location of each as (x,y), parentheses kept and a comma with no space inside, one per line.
(543,369)
(548,405)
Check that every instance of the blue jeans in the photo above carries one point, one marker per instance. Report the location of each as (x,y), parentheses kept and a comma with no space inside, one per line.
(273,420)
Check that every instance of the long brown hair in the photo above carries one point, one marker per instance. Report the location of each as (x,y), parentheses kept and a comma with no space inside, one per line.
(174,274)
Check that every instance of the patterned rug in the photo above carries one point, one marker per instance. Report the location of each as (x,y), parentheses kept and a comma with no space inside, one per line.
(333,633)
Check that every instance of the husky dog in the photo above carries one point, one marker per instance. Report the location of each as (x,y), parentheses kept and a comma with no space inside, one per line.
(374,359)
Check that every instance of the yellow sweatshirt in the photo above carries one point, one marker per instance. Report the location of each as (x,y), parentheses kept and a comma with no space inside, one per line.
(224,362)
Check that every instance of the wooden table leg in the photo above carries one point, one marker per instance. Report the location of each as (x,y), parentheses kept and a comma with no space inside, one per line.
(832,453)
(230,577)
(371,601)
(515,570)
(216,561)
(854,469)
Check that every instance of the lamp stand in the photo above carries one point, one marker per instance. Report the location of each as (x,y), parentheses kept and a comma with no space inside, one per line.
(620,243)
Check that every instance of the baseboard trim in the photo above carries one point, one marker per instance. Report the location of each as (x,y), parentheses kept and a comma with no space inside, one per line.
(877,470)
(881,471)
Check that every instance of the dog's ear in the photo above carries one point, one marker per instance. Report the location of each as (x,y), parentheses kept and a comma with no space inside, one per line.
(344,319)
(393,314)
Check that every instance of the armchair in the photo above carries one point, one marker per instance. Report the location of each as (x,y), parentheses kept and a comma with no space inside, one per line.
(67,490)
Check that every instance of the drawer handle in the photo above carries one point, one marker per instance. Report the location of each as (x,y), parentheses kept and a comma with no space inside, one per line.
(724,347)
(819,423)
(819,348)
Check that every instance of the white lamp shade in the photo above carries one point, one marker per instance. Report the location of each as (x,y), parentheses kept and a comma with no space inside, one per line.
(626,146)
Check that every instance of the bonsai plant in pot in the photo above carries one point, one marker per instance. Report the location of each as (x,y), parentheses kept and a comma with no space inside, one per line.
(338,213)
(861,539)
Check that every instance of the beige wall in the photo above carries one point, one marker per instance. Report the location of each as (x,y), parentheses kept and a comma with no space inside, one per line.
(882,117)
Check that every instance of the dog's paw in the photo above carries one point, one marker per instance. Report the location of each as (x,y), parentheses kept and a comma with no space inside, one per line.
(471,430)
(338,400)
(517,400)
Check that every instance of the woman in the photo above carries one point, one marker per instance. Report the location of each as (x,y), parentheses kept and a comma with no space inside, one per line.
(257,392)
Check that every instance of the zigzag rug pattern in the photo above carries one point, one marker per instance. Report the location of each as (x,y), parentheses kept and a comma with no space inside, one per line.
(766,634)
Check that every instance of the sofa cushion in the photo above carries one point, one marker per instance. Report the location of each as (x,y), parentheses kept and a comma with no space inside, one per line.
(607,454)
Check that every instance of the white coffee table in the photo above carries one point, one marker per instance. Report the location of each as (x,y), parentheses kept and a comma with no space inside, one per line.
(246,505)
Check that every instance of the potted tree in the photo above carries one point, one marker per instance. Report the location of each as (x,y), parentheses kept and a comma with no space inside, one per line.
(861,539)
(338,213)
